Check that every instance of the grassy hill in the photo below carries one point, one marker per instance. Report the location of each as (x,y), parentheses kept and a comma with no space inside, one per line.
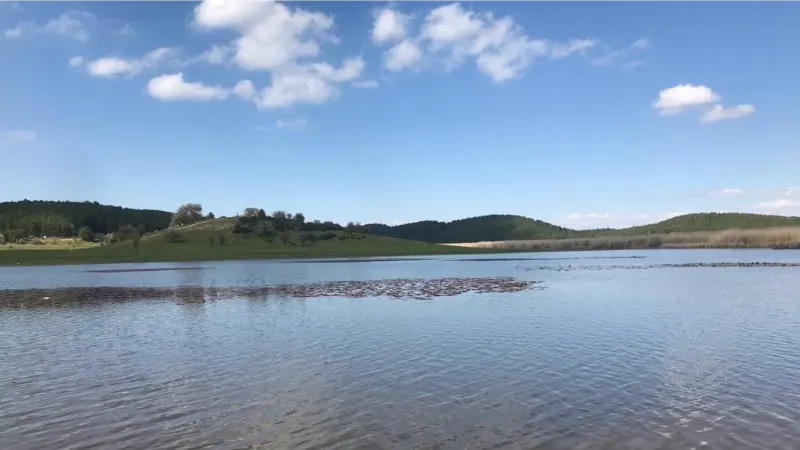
(484,228)
(201,241)
(509,228)
(709,222)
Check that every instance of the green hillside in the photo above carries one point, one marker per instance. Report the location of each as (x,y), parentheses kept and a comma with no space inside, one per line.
(508,227)
(484,228)
(214,240)
(709,222)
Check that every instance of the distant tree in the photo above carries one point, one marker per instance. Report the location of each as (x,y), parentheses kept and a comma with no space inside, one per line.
(285,238)
(187,214)
(86,234)
(221,239)
(211,241)
(300,221)
(307,237)
(130,233)
(280,220)
(211,216)
(262,214)
(250,212)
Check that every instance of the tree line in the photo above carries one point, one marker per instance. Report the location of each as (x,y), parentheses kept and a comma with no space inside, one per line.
(27,218)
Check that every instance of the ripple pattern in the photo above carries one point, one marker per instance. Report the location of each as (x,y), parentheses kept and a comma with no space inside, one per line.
(663,359)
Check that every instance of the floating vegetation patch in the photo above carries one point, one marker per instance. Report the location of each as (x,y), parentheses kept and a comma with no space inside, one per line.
(421,289)
(563,268)
(543,259)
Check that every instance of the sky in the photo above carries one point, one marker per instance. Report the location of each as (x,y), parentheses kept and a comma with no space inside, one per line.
(581,114)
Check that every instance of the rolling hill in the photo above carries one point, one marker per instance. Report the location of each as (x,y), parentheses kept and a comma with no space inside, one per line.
(509,228)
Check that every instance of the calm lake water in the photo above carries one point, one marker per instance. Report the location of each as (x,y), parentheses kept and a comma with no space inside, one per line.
(615,358)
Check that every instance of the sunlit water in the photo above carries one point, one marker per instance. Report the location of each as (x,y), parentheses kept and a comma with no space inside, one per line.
(662,358)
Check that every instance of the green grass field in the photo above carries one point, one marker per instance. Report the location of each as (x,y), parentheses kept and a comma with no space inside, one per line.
(197,247)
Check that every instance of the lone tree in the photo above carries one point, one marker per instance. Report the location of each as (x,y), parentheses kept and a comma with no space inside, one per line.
(211,216)
(187,214)
(130,233)
(300,221)
(86,234)
(250,212)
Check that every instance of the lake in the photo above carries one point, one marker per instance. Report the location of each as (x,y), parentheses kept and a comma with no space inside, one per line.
(605,351)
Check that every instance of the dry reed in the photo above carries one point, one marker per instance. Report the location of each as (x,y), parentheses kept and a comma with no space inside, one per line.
(779,238)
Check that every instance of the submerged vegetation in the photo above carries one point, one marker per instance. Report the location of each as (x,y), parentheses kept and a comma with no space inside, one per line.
(418,289)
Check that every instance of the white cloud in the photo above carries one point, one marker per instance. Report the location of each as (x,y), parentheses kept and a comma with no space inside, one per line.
(623,56)
(217,54)
(290,124)
(72,24)
(451,34)
(675,99)
(366,84)
(718,113)
(272,34)
(283,41)
(173,87)
(19,135)
(76,61)
(782,203)
(312,84)
(111,67)
(401,56)
(728,192)
(389,25)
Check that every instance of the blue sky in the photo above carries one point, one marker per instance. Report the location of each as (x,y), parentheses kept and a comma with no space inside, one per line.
(583,114)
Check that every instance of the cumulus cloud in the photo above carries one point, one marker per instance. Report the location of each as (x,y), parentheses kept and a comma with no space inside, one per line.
(401,56)
(451,35)
(389,25)
(284,41)
(675,99)
(173,87)
(718,113)
(112,66)
(72,24)
(311,84)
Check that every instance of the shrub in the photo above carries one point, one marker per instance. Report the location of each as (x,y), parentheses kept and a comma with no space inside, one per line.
(37,241)
(86,234)
(326,236)
(173,237)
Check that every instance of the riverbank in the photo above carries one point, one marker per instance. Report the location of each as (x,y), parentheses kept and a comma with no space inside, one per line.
(209,245)
(777,238)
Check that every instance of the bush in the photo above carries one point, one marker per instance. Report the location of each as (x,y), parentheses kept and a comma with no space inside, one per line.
(86,234)
(37,241)
(326,236)
(173,237)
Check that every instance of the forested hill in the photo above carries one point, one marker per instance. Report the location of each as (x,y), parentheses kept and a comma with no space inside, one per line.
(46,218)
(484,228)
(508,227)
